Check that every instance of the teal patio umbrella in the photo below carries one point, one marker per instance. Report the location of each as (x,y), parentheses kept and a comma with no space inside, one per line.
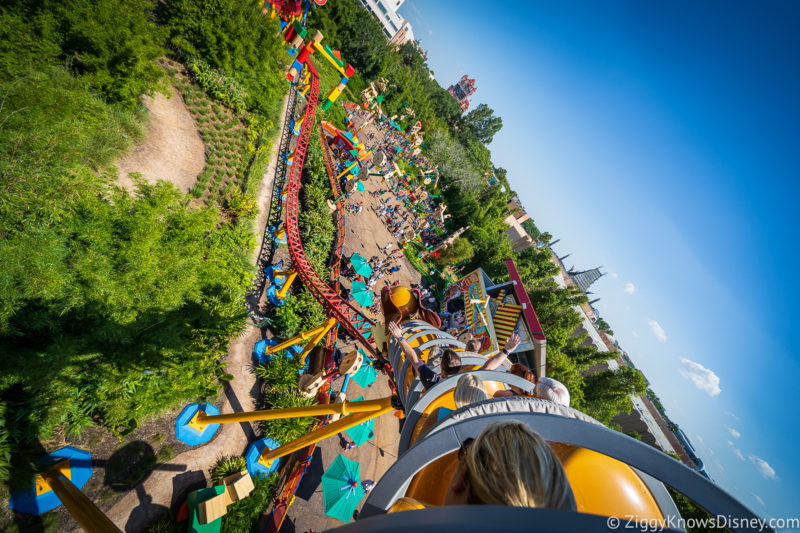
(359,186)
(341,488)
(366,375)
(360,265)
(362,432)
(362,294)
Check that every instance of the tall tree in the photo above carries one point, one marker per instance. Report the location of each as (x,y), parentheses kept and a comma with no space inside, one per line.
(482,122)
(607,393)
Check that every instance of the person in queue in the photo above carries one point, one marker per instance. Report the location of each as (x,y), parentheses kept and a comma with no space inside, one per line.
(484,475)
(450,361)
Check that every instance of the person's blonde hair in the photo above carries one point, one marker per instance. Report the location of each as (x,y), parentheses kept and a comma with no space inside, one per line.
(469,390)
(509,464)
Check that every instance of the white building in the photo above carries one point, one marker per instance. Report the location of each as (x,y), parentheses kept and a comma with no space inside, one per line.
(397,29)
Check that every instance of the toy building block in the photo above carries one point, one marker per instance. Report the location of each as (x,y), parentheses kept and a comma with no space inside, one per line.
(301,31)
(213,508)
(238,486)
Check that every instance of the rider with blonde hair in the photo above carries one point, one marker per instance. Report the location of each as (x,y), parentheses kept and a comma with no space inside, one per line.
(469,389)
(509,464)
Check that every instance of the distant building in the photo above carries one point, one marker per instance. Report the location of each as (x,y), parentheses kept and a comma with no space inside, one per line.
(585,278)
(520,240)
(461,90)
(514,207)
(404,35)
(398,30)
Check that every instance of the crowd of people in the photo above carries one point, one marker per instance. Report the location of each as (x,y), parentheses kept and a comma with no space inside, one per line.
(537,479)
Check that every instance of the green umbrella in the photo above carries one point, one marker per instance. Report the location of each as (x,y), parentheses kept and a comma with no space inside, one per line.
(362,294)
(366,375)
(341,488)
(362,432)
(360,265)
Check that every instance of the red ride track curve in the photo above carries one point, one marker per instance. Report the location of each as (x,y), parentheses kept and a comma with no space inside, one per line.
(336,306)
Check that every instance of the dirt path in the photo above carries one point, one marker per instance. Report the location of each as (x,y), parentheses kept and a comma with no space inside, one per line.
(163,488)
(172,151)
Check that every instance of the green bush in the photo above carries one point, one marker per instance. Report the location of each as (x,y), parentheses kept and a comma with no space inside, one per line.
(287,429)
(235,39)
(227,466)
(243,204)
(280,372)
(224,88)
(112,50)
(300,312)
(5,445)
(244,516)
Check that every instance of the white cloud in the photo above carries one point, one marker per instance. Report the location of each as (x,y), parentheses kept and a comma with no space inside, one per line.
(735,434)
(758,499)
(614,275)
(730,442)
(657,330)
(630,288)
(738,454)
(733,416)
(635,334)
(703,378)
(430,32)
(763,467)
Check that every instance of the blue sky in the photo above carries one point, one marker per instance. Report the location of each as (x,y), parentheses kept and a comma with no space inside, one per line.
(660,140)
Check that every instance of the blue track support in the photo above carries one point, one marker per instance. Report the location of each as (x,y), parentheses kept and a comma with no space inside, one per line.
(272,296)
(80,463)
(260,350)
(276,279)
(254,451)
(189,435)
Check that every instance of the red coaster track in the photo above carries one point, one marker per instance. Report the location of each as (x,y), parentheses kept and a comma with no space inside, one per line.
(337,307)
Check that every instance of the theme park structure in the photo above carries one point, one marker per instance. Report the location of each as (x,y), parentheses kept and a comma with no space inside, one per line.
(611,474)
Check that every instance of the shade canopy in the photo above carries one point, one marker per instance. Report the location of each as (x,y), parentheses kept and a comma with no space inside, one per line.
(362,294)
(366,375)
(362,432)
(360,265)
(341,488)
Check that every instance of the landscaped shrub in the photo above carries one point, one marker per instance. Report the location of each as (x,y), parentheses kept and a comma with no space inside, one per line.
(224,88)
(280,372)
(227,466)
(244,516)
(287,429)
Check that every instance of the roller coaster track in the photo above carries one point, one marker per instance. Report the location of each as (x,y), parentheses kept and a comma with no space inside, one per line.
(348,317)
(356,324)
(274,215)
